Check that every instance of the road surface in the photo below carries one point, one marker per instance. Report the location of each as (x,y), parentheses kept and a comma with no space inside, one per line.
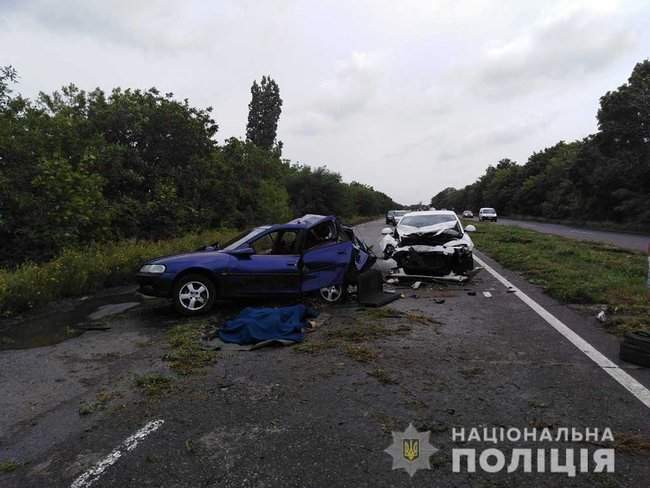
(442,358)
(634,242)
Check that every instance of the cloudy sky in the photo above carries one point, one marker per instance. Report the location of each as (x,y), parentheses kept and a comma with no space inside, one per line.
(408,96)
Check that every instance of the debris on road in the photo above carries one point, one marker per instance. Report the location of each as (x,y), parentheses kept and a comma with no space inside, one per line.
(371,290)
(471,293)
(487,294)
(601,316)
(416,285)
(635,348)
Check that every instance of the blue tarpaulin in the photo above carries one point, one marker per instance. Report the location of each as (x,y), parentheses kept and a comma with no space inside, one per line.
(255,325)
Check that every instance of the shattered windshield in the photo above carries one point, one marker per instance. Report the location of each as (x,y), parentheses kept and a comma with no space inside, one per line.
(426,220)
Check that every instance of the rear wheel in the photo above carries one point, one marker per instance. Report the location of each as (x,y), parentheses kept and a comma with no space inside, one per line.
(194,294)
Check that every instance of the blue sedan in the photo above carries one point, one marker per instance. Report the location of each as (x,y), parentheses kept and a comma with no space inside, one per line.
(311,254)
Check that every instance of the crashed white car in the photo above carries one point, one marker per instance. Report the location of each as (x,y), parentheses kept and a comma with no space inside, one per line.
(430,243)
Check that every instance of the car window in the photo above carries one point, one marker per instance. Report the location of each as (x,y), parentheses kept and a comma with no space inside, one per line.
(321,234)
(426,220)
(278,242)
(241,238)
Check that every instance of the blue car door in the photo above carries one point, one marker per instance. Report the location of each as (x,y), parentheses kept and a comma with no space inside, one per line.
(273,268)
(326,257)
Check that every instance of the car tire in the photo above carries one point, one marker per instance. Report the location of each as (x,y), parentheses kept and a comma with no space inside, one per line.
(194,294)
(639,339)
(635,355)
(334,293)
(388,251)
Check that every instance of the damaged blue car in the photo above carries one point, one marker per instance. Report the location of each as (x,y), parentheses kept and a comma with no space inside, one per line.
(311,254)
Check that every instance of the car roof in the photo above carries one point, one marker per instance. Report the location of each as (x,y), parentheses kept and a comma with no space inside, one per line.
(307,221)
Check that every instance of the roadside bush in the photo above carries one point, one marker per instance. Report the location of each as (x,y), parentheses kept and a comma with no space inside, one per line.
(79,271)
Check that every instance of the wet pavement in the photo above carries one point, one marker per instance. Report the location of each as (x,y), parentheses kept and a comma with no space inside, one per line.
(443,357)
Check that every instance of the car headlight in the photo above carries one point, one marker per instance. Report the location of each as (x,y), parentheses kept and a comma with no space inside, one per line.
(153,268)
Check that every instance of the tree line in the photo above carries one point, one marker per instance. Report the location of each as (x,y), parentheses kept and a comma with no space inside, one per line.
(604,177)
(79,167)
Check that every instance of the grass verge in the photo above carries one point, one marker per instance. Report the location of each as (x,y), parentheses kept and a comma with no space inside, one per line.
(8,466)
(79,271)
(186,356)
(575,272)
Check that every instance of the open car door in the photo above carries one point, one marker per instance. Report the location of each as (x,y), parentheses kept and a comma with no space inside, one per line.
(327,253)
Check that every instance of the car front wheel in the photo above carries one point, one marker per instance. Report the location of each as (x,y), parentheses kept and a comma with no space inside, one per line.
(333,293)
(194,294)
(388,251)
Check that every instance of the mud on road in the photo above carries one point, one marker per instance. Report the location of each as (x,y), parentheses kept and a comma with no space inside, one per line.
(317,414)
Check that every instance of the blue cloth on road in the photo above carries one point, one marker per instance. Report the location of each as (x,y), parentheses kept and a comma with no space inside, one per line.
(255,325)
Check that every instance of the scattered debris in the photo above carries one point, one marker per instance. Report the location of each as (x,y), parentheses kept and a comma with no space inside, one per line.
(416,285)
(439,300)
(601,316)
(471,293)
(487,294)
(371,290)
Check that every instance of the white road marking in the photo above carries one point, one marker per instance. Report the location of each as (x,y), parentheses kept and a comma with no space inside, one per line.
(623,378)
(94,473)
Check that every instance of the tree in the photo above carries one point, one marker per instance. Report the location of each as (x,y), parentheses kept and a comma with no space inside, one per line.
(263,114)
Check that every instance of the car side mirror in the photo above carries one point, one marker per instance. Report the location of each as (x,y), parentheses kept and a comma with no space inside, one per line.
(243,252)
(470,228)
(386,230)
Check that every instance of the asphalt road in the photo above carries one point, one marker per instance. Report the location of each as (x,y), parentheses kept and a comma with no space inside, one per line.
(277,417)
(634,242)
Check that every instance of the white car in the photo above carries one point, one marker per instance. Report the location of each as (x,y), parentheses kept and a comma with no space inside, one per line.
(487,214)
(430,243)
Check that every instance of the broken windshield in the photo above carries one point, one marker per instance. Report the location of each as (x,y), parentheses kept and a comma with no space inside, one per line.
(426,220)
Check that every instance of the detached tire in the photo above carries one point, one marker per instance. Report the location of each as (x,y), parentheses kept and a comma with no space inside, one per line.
(194,294)
(635,348)
(639,339)
(634,355)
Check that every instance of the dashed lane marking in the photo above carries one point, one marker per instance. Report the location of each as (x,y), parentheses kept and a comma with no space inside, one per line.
(129,444)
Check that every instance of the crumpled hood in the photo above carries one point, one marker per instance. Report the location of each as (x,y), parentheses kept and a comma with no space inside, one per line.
(429,229)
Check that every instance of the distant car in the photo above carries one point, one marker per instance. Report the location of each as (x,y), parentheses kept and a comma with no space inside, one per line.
(393,216)
(487,214)
(430,243)
(311,254)
(468,214)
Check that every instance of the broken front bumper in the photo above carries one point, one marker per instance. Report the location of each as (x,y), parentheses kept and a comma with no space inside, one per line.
(434,260)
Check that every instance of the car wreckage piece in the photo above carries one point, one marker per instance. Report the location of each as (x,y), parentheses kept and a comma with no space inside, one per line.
(431,243)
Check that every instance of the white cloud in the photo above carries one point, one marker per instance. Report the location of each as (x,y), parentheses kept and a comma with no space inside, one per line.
(410,96)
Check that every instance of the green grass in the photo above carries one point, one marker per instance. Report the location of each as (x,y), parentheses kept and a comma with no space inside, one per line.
(575,272)
(8,466)
(154,385)
(186,356)
(79,271)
